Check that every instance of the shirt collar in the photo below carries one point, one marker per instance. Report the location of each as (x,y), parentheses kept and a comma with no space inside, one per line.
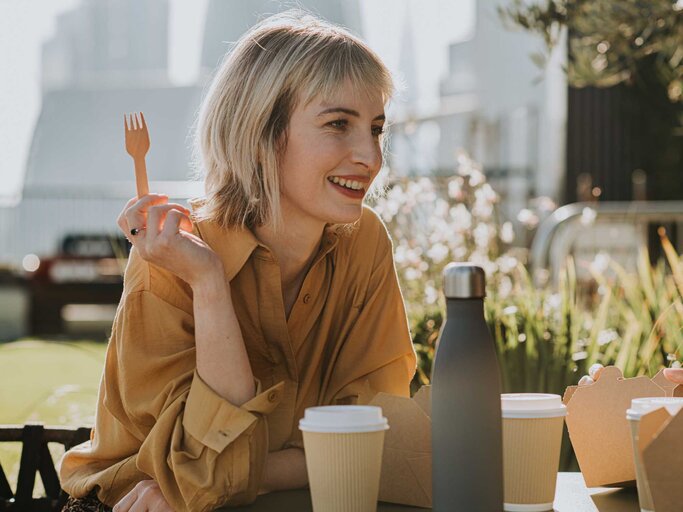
(235,245)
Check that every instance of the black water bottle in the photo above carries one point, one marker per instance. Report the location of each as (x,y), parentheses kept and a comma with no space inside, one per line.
(467,443)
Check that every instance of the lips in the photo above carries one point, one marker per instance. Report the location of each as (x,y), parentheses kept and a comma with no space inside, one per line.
(348,192)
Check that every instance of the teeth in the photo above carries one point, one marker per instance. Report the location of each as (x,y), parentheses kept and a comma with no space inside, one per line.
(352,184)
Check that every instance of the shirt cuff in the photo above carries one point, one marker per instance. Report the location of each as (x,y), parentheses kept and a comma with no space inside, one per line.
(215,422)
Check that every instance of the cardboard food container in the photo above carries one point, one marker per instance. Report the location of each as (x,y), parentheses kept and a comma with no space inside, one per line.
(406,476)
(598,428)
(660,442)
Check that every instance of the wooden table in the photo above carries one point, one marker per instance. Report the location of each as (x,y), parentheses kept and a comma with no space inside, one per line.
(571,496)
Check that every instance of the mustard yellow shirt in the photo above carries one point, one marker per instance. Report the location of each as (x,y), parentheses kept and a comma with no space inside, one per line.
(346,338)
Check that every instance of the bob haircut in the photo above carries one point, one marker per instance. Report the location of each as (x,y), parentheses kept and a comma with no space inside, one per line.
(242,125)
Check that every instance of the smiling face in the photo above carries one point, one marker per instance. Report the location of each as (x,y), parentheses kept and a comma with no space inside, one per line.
(332,156)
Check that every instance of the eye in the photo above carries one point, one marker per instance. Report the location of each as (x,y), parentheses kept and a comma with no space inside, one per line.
(339,124)
(377,131)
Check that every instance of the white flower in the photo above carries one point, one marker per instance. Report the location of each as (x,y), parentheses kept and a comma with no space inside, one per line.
(507,233)
(438,252)
(579,356)
(552,304)
(441,209)
(431,294)
(482,209)
(455,188)
(510,310)
(588,216)
(412,273)
(505,287)
(506,263)
(600,262)
(486,193)
(461,217)
(482,234)
(606,336)
(545,204)
(476,177)
(527,217)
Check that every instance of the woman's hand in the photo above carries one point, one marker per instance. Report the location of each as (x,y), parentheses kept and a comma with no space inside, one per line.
(284,470)
(165,239)
(674,375)
(144,497)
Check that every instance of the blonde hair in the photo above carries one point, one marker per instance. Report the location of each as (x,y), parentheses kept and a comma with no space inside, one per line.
(242,126)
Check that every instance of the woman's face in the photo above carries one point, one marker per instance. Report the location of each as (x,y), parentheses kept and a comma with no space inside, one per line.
(332,156)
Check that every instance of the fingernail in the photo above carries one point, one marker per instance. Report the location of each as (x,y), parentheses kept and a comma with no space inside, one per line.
(586,380)
(595,370)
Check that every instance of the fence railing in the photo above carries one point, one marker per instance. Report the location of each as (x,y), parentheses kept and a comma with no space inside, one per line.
(642,214)
(36,458)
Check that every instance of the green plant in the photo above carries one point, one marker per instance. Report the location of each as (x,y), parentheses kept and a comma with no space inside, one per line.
(546,337)
(609,39)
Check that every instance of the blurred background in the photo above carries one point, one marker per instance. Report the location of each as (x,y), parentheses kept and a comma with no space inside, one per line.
(542,140)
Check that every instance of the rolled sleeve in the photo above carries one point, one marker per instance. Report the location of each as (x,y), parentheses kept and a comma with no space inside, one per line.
(215,422)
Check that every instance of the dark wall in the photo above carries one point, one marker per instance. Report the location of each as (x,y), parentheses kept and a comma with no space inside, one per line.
(612,132)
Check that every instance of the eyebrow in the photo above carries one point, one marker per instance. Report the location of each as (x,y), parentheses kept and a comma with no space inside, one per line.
(348,111)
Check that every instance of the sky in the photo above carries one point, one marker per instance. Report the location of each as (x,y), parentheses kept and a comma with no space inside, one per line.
(26,24)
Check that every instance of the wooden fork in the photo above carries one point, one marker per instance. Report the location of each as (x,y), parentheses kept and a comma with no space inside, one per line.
(137,145)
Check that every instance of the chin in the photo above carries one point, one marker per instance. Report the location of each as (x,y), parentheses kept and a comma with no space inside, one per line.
(347,215)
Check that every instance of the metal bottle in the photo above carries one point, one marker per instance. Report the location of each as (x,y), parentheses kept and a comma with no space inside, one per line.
(467,445)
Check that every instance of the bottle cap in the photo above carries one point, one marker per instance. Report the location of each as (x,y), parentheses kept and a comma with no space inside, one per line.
(464,281)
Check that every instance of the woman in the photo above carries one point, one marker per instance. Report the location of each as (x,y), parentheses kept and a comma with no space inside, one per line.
(276,293)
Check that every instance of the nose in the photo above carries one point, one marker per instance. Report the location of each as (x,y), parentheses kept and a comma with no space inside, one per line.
(366,151)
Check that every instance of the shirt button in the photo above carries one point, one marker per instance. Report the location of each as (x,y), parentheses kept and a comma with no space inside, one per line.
(272,396)
(307,298)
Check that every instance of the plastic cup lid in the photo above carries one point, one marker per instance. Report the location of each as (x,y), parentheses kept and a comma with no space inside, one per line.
(642,406)
(532,405)
(343,419)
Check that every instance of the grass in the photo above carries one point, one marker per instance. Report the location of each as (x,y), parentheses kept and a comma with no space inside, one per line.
(52,382)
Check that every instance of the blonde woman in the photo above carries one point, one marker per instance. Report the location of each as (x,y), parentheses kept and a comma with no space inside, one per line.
(276,292)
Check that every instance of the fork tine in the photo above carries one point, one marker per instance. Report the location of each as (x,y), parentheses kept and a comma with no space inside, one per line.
(125,122)
(142,117)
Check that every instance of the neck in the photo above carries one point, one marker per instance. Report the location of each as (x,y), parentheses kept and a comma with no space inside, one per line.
(294,245)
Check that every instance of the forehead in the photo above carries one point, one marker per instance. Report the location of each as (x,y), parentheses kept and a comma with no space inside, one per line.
(349,95)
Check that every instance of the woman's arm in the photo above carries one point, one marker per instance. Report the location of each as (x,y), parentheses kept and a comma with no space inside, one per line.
(222,360)
(285,469)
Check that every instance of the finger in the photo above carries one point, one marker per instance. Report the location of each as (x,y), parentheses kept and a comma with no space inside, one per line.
(595,370)
(139,506)
(175,221)
(136,215)
(121,220)
(156,217)
(127,501)
(586,380)
(675,375)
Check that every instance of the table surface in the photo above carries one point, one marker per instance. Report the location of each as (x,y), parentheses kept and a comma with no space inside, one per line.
(571,496)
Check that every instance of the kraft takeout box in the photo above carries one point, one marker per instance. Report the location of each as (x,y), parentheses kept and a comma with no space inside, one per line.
(406,476)
(598,428)
(660,442)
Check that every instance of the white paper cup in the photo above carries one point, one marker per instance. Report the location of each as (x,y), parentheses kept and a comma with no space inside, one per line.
(343,446)
(639,408)
(532,437)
